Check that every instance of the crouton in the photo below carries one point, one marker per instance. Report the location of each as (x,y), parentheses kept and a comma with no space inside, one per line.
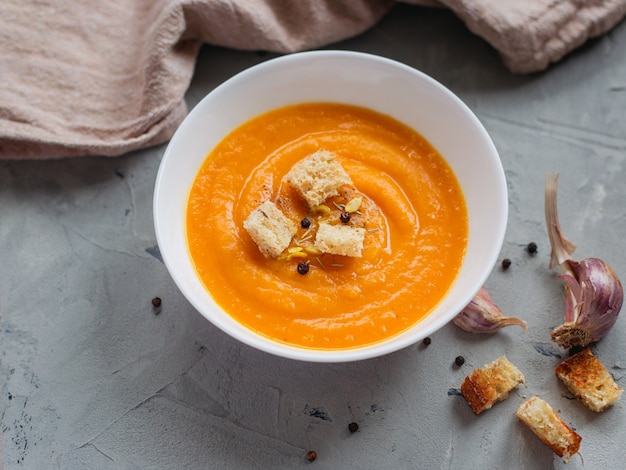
(543,421)
(270,229)
(318,177)
(588,380)
(340,239)
(486,386)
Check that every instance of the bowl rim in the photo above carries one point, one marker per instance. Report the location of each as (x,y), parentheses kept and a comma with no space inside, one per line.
(260,342)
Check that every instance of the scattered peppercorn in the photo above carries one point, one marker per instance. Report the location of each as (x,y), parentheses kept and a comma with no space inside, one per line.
(311,456)
(427,341)
(353,427)
(303,267)
(344,217)
(156,302)
(305,223)
(532,248)
(459,361)
(506,262)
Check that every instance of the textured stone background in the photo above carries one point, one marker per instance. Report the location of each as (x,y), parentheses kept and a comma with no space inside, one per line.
(92,377)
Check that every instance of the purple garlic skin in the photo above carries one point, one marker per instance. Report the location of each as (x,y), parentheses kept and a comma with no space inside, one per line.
(482,315)
(593,299)
(593,291)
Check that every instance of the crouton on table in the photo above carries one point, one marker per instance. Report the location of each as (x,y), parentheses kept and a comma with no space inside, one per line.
(589,381)
(543,421)
(484,387)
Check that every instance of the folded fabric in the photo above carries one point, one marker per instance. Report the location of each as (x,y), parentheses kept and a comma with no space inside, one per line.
(532,34)
(91,77)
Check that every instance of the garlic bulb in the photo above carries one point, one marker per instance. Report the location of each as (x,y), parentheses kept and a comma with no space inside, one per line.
(593,292)
(482,315)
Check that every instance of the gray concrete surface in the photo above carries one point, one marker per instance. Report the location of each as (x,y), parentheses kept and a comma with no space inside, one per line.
(93,377)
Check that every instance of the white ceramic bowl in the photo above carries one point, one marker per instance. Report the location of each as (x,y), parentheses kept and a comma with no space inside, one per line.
(370,81)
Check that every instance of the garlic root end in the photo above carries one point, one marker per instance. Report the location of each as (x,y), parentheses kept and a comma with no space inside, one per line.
(570,335)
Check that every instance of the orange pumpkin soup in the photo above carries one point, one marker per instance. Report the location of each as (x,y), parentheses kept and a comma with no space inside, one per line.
(413,212)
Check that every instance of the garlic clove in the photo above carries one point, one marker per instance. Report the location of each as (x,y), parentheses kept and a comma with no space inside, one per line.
(593,299)
(593,291)
(482,315)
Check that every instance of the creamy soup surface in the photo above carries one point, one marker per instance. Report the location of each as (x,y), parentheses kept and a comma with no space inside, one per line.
(413,212)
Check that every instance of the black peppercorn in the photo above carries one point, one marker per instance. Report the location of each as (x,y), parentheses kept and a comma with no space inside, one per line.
(459,361)
(426,341)
(311,456)
(353,427)
(506,262)
(532,248)
(156,302)
(344,217)
(303,267)
(305,223)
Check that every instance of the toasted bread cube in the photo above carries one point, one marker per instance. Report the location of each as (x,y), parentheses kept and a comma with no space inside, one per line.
(318,177)
(340,239)
(542,420)
(589,381)
(486,386)
(270,229)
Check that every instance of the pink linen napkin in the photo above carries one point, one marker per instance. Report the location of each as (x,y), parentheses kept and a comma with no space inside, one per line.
(91,77)
(532,34)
